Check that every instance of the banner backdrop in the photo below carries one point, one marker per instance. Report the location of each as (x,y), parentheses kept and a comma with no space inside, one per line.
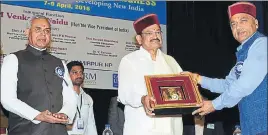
(97,33)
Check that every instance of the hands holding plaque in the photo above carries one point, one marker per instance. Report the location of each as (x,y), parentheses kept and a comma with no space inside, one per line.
(206,106)
(148,104)
(172,94)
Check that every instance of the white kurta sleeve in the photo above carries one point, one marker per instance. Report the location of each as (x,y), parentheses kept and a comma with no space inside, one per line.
(69,96)
(127,91)
(9,98)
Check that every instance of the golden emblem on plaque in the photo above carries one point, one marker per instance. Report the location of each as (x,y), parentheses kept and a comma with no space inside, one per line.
(171,94)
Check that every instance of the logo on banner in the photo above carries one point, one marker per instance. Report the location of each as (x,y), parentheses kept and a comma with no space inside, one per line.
(90,78)
(115,80)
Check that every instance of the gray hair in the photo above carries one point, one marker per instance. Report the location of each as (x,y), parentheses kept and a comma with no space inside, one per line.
(29,23)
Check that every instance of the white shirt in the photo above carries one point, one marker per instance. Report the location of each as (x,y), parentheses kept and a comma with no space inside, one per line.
(9,98)
(87,115)
(132,69)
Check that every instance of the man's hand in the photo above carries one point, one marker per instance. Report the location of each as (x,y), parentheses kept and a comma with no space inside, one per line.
(206,108)
(60,116)
(148,104)
(46,116)
(196,77)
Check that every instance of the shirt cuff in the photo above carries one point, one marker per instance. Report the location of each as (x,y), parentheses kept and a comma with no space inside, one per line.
(33,115)
(203,80)
(36,121)
(139,103)
(217,103)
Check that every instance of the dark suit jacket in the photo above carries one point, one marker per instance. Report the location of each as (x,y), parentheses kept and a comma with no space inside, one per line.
(116,116)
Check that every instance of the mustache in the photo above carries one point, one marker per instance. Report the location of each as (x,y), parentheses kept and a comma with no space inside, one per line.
(79,78)
(155,39)
(41,39)
(240,30)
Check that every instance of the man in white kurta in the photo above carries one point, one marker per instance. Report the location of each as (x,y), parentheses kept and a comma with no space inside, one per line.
(148,60)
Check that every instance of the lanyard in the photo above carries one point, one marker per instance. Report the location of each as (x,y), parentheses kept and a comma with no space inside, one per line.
(79,113)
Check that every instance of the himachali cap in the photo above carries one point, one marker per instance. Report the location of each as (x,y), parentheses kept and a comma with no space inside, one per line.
(242,7)
(145,22)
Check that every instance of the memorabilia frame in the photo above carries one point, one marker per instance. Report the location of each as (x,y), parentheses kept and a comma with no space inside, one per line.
(174,93)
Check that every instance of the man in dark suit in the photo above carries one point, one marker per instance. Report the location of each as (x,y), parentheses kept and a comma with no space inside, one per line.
(36,87)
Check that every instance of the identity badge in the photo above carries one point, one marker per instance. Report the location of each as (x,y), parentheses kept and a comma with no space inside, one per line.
(210,126)
(80,124)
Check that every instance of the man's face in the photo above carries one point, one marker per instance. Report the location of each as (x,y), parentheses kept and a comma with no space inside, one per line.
(39,34)
(243,26)
(150,38)
(77,75)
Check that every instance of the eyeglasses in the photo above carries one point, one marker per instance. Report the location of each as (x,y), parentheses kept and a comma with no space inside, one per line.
(151,33)
(77,72)
(45,31)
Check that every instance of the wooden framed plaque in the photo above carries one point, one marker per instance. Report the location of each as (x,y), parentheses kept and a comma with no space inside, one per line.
(174,94)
